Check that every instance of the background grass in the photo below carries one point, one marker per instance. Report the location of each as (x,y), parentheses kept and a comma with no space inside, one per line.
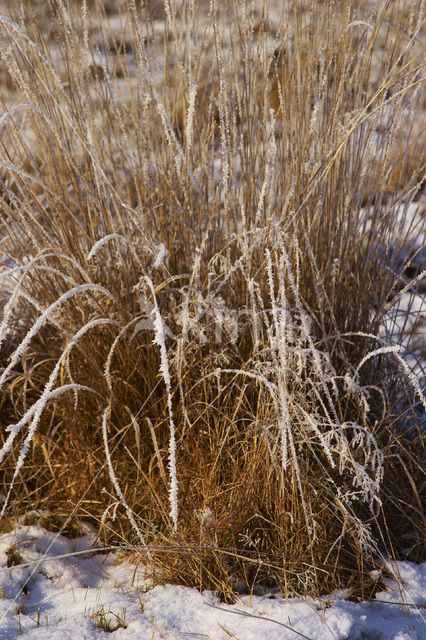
(244,178)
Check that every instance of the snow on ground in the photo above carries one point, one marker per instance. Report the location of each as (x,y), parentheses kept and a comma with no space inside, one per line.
(48,594)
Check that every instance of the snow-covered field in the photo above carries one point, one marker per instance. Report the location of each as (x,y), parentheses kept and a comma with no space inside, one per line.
(49,593)
(51,587)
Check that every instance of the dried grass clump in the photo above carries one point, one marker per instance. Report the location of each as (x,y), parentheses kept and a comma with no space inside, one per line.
(201,246)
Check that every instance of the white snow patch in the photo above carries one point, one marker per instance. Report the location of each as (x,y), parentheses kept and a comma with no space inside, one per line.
(63,592)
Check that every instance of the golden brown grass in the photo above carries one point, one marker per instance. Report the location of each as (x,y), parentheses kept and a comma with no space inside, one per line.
(236,186)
